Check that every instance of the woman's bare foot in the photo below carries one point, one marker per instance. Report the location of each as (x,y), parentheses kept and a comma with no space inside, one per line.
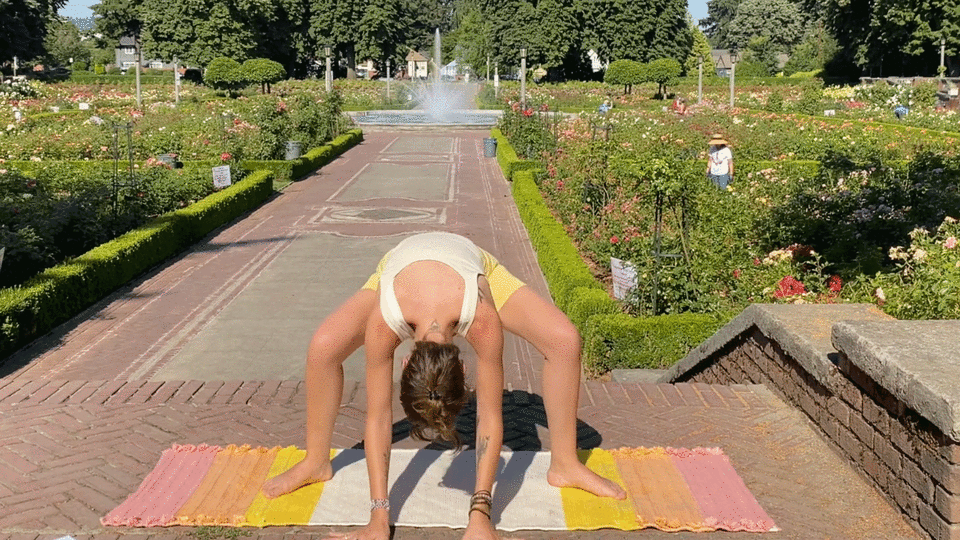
(577,475)
(295,477)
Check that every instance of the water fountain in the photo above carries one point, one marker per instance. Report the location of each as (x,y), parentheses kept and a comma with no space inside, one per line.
(439,103)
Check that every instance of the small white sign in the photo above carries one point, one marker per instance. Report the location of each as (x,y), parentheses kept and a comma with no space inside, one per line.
(830,112)
(55,109)
(84,106)
(221,176)
(624,277)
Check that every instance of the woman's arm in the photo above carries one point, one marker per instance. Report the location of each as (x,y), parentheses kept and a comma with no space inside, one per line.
(380,344)
(486,338)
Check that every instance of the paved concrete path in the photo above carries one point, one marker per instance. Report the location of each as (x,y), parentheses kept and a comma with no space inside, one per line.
(210,348)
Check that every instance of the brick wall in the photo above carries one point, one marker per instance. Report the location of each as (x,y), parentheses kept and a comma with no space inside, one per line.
(906,457)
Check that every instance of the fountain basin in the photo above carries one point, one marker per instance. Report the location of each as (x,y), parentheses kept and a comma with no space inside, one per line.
(420,119)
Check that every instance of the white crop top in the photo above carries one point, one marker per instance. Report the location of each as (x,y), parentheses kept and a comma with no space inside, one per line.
(451,249)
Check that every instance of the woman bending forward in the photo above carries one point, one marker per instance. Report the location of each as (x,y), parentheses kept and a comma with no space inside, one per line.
(429,288)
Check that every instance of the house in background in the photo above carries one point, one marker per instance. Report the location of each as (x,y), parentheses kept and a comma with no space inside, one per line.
(126,56)
(417,65)
(721,61)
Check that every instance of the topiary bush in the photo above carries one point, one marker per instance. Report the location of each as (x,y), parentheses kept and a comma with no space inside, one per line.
(665,72)
(624,73)
(224,74)
(264,72)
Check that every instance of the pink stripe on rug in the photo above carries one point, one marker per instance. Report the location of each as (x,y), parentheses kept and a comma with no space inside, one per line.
(178,473)
(724,499)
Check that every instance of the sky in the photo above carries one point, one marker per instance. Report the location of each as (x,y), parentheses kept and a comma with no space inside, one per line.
(81,8)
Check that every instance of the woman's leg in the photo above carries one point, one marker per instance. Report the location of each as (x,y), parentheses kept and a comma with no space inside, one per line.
(538,321)
(336,338)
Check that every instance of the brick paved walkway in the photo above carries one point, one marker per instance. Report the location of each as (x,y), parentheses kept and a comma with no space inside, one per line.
(86,410)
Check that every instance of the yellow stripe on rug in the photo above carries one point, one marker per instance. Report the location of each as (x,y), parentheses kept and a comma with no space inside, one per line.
(290,509)
(585,511)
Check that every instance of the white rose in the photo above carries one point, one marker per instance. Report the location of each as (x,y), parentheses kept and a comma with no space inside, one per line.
(879,294)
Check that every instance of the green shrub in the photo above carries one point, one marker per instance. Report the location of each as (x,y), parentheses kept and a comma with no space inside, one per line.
(664,71)
(621,341)
(264,72)
(64,290)
(561,263)
(224,74)
(625,73)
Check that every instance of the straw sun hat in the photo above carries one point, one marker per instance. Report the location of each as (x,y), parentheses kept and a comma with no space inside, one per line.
(717,139)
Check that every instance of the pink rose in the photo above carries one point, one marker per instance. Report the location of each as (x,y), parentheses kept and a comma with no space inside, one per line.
(950,243)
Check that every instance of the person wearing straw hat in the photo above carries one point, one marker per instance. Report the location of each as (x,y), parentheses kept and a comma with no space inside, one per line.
(720,163)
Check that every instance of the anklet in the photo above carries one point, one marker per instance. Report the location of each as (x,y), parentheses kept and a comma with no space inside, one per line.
(379,503)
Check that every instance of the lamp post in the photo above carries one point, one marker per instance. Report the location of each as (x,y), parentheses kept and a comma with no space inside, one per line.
(328,76)
(734,57)
(176,80)
(496,80)
(523,78)
(700,80)
(943,46)
(388,79)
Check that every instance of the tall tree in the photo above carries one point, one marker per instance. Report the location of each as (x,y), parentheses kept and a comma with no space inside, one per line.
(219,28)
(717,23)
(618,29)
(671,36)
(893,37)
(699,51)
(558,33)
(23,27)
(473,41)
(63,43)
(777,20)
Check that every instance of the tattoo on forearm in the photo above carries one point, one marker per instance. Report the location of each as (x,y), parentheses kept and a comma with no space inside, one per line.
(482,444)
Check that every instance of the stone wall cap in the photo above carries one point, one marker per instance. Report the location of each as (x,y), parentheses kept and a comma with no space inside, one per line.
(802,330)
(916,361)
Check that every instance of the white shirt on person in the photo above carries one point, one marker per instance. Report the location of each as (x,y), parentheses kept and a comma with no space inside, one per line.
(720,159)
(455,251)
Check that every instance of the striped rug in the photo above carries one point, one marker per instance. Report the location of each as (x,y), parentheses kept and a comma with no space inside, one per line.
(671,489)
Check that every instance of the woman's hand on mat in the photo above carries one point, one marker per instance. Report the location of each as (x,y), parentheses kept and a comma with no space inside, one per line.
(301,474)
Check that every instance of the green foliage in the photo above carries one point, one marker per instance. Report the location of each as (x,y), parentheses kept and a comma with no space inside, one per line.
(699,50)
(855,210)
(925,282)
(529,130)
(62,291)
(778,22)
(224,74)
(811,98)
(664,72)
(24,25)
(207,532)
(63,44)
(622,341)
(774,102)
(562,266)
(625,73)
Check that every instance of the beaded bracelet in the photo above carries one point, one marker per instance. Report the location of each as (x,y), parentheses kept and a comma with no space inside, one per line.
(379,503)
(481,501)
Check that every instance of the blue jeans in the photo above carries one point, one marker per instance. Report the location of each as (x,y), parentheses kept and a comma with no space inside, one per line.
(721,180)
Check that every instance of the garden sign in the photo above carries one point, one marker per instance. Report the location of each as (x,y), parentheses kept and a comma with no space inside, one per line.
(221,176)
(624,277)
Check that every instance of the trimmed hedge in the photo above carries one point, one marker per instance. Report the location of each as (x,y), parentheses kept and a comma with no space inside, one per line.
(320,156)
(561,263)
(58,293)
(611,339)
(621,341)
(507,157)
(88,78)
